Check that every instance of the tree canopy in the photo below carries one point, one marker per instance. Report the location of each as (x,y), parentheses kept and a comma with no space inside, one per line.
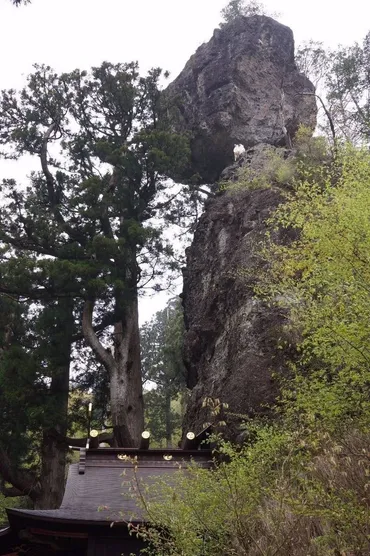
(81,239)
(236,8)
(342,80)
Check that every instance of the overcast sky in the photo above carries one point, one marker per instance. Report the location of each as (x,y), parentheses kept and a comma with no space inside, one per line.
(82,33)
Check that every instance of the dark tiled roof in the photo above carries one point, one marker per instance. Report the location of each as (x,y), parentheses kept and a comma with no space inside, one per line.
(101,493)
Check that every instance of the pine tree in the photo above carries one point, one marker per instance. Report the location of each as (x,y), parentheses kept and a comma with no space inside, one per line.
(34,375)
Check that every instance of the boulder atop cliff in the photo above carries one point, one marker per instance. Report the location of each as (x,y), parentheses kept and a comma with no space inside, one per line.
(242,87)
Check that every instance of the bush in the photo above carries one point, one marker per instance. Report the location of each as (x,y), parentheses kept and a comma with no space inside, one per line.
(285,494)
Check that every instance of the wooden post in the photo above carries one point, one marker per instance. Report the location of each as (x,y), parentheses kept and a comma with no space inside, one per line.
(145,440)
(193,442)
(189,442)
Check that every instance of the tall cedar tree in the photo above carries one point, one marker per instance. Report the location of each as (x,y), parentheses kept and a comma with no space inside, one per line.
(76,242)
(34,382)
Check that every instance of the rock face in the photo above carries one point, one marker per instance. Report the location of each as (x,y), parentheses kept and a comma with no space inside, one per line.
(231,340)
(242,87)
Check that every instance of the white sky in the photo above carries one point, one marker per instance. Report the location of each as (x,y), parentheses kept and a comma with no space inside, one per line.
(82,33)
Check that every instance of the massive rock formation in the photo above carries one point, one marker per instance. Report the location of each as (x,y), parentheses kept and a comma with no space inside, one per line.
(231,339)
(242,87)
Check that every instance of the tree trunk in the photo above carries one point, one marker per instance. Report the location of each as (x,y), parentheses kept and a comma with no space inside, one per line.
(167,410)
(53,451)
(53,473)
(46,490)
(126,395)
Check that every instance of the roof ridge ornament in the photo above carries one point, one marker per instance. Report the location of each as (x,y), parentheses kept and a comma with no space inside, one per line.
(82,462)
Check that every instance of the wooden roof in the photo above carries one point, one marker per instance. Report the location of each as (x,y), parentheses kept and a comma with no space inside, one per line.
(97,490)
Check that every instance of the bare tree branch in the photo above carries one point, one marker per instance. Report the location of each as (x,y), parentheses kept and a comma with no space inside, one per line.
(9,492)
(327,113)
(81,442)
(44,163)
(108,320)
(73,234)
(24,481)
(91,338)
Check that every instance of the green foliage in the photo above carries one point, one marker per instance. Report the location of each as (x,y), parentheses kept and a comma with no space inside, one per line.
(163,370)
(277,167)
(205,509)
(348,89)
(279,494)
(342,80)
(80,226)
(246,8)
(88,225)
(271,168)
(299,486)
(15,502)
(312,60)
(24,406)
(322,279)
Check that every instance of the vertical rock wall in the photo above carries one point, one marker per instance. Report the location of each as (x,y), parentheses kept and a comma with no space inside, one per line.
(231,338)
